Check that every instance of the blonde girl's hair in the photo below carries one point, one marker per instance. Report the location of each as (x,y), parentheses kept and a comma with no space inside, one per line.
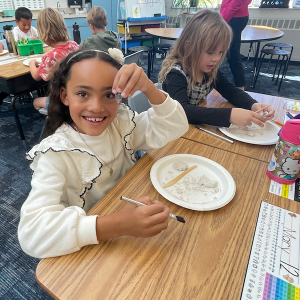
(97,17)
(205,32)
(51,26)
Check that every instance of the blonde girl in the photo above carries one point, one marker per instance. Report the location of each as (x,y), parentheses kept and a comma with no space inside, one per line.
(191,71)
(52,31)
(92,146)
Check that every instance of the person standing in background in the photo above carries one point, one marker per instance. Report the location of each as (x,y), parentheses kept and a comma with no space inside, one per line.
(236,14)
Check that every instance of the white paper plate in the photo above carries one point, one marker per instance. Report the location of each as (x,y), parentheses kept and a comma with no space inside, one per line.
(4,52)
(202,201)
(26,62)
(45,45)
(267,136)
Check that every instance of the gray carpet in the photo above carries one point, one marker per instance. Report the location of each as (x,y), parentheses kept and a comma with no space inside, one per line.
(17,270)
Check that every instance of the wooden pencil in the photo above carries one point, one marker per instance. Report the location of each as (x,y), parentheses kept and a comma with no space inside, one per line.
(263,108)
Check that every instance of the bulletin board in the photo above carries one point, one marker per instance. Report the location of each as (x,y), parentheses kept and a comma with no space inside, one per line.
(30,4)
(147,8)
(5,5)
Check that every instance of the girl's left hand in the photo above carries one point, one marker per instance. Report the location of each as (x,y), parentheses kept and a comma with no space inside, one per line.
(129,79)
(271,111)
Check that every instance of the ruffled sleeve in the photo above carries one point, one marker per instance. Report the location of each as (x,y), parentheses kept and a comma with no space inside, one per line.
(153,128)
(53,224)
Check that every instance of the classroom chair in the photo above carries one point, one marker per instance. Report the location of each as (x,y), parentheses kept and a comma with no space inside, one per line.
(44,113)
(144,49)
(135,58)
(283,63)
(163,49)
(139,103)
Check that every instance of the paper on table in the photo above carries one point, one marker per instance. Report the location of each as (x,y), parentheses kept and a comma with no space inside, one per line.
(11,60)
(283,190)
(274,254)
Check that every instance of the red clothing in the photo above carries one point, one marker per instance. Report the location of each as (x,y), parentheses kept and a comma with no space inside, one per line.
(234,9)
(50,59)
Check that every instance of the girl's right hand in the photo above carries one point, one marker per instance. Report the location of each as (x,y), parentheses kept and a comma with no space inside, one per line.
(244,117)
(143,221)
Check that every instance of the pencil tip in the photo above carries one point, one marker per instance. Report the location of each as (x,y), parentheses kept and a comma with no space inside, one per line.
(180,219)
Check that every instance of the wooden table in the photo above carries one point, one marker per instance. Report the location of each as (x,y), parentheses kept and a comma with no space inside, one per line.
(263,153)
(250,34)
(206,258)
(15,79)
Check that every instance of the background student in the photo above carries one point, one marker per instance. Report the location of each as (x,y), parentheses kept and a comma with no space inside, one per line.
(101,39)
(24,30)
(54,32)
(236,14)
(92,146)
(190,72)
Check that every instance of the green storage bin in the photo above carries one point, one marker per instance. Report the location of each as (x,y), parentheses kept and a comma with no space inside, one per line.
(32,47)
(149,43)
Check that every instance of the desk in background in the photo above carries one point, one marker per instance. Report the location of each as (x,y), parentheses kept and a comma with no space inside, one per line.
(15,79)
(206,258)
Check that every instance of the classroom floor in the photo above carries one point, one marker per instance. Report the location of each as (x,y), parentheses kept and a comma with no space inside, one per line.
(17,270)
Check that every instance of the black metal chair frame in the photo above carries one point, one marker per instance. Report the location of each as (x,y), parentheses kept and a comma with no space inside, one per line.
(284,64)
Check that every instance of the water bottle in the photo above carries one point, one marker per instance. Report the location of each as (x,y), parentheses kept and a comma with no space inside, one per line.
(9,37)
(285,162)
(76,33)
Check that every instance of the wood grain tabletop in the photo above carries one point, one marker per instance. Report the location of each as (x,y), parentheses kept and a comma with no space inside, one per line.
(251,33)
(17,68)
(206,258)
(263,153)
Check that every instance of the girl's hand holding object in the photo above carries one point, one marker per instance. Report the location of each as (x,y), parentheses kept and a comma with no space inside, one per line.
(132,78)
(244,117)
(138,221)
(257,107)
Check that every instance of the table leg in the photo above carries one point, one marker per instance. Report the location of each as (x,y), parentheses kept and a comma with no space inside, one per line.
(255,63)
(149,63)
(16,116)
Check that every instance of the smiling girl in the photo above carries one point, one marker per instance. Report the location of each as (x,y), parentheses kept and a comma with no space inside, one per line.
(190,72)
(91,146)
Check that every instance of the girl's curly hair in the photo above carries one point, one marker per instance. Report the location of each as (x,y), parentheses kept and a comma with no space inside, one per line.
(58,113)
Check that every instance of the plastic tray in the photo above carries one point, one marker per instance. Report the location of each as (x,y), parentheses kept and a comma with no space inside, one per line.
(35,46)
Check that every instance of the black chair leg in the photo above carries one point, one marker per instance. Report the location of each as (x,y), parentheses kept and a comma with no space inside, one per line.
(281,63)
(43,129)
(275,67)
(149,64)
(289,61)
(283,72)
(153,57)
(269,64)
(18,123)
(262,56)
(249,51)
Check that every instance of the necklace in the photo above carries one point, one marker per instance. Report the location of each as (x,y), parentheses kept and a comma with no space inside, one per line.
(101,160)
